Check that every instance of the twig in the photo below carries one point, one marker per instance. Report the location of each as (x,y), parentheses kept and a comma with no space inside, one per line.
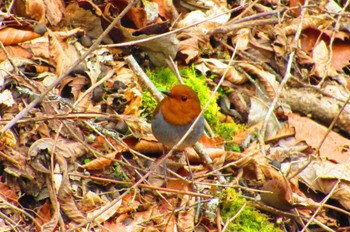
(135,42)
(312,218)
(285,78)
(336,185)
(233,218)
(145,186)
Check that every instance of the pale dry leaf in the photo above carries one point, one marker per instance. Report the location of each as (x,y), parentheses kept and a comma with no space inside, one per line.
(160,49)
(321,175)
(96,61)
(257,112)
(151,9)
(219,68)
(6,68)
(323,64)
(57,178)
(333,7)
(191,18)
(6,98)
(70,150)
(202,67)
(39,47)
(48,78)
(241,39)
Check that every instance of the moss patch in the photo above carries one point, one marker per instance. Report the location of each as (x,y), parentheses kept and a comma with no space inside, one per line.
(248,220)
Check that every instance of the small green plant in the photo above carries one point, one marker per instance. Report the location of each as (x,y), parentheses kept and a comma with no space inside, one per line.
(247,220)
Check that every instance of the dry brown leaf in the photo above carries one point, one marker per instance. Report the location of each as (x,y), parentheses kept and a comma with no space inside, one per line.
(9,194)
(309,38)
(186,218)
(189,47)
(36,9)
(104,212)
(15,51)
(62,52)
(44,214)
(129,204)
(298,4)
(134,222)
(321,175)
(294,25)
(11,36)
(133,95)
(166,208)
(147,144)
(335,147)
(67,203)
(341,55)
(39,47)
(7,140)
(240,137)
(101,163)
(84,19)
(279,194)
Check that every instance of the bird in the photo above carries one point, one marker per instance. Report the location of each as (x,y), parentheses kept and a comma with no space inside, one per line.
(175,114)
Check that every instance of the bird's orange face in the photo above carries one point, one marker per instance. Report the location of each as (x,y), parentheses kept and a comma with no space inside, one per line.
(180,106)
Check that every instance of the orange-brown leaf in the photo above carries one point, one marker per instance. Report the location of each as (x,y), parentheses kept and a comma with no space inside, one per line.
(44,214)
(15,51)
(8,193)
(9,36)
(100,163)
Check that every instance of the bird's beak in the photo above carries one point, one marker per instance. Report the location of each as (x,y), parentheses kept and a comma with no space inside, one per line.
(166,93)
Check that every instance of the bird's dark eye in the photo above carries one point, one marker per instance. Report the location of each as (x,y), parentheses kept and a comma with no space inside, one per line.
(184,99)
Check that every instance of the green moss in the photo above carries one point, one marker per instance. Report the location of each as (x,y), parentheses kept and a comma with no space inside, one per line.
(248,220)
(164,79)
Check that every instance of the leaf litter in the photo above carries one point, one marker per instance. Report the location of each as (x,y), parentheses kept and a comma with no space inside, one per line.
(71,161)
